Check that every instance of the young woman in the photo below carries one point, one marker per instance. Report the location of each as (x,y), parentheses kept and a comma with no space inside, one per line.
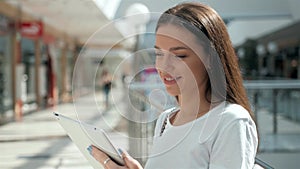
(213,126)
(106,80)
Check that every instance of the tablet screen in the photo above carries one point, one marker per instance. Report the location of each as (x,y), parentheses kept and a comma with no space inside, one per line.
(84,135)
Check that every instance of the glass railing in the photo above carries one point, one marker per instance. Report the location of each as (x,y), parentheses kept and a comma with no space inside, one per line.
(279,97)
(271,100)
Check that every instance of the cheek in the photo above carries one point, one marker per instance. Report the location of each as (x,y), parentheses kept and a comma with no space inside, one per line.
(160,74)
(158,64)
(197,71)
(158,69)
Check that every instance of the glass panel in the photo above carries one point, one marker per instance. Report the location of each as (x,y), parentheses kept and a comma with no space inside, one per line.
(28,59)
(5,74)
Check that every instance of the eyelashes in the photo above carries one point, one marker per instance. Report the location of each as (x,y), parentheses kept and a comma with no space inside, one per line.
(181,56)
(161,54)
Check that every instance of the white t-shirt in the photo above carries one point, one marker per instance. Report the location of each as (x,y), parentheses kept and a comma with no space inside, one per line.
(224,138)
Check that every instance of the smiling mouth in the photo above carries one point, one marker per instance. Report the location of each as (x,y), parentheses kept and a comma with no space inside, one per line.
(171,80)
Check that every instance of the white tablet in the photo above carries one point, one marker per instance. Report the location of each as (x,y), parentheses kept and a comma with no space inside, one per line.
(84,135)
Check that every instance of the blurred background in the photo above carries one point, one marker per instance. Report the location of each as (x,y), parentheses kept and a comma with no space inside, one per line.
(53,54)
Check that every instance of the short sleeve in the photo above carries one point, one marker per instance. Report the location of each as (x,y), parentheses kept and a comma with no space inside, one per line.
(235,146)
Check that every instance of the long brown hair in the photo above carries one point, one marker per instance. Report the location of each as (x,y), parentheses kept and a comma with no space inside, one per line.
(207,20)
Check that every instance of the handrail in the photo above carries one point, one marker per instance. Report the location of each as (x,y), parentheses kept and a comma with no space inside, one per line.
(256,85)
(272,84)
(262,164)
(275,86)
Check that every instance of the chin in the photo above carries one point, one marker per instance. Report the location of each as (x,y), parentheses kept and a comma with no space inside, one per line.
(173,92)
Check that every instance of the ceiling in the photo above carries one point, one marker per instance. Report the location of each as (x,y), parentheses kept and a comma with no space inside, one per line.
(247,19)
(81,19)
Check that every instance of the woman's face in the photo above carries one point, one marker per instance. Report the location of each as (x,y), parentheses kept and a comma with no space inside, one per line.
(178,61)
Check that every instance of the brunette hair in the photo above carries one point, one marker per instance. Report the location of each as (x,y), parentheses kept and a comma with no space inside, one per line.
(198,17)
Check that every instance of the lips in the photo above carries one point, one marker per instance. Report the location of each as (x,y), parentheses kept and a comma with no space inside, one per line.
(169,80)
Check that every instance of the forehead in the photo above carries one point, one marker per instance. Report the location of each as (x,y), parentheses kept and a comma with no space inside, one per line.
(173,35)
(175,32)
(169,36)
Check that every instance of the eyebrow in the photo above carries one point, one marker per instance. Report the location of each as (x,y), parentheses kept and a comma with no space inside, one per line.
(174,48)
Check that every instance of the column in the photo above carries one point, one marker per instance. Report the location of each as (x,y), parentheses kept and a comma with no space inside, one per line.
(37,53)
(64,72)
(16,59)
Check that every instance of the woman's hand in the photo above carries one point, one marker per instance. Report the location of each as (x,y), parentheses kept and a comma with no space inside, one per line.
(130,163)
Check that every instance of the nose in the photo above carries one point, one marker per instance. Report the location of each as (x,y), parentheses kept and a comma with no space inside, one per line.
(165,63)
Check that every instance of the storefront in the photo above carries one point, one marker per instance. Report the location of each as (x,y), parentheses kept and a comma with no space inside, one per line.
(26,72)
(35,69)
(6,103)
(29,69)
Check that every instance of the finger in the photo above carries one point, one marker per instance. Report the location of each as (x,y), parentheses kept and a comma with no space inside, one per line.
(98,154)
(129,161)
(103,158)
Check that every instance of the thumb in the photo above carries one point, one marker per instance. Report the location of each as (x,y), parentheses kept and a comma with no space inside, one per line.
(130,162)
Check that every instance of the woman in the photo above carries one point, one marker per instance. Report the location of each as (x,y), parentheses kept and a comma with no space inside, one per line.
(213,126)
(106,80)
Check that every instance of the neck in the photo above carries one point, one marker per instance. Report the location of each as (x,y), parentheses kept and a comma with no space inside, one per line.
(191,108)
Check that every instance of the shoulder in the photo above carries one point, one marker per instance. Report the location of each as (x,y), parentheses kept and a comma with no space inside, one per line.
(222,117)
(233,112)
(235,121)
(235,140)
(236,134)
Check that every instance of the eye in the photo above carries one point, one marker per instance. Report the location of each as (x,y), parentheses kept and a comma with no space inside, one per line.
(159,53)
(181,56)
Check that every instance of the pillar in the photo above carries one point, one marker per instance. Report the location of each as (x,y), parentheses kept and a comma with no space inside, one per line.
(37,53)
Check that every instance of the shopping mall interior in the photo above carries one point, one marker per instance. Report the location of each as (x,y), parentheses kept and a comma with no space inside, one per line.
(53,54)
